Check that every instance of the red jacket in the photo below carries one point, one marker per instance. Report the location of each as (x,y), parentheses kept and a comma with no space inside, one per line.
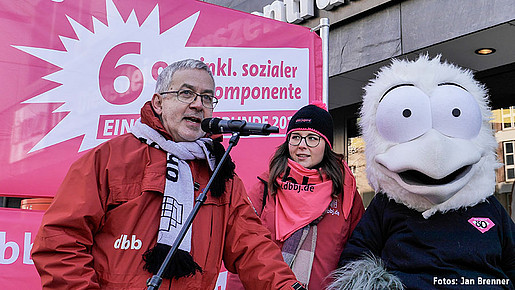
(333,230)
(106,214)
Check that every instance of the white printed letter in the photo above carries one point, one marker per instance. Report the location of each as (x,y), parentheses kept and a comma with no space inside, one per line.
(27,247)
(3,247)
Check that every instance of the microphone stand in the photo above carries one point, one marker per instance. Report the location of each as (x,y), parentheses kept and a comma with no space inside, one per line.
(155,281)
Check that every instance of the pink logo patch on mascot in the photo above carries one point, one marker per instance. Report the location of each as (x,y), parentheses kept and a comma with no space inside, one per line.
(482,224)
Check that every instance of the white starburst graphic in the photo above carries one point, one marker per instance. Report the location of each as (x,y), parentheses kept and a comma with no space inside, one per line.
(80,67)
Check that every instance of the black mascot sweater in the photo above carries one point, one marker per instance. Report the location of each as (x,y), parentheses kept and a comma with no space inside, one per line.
(457,250)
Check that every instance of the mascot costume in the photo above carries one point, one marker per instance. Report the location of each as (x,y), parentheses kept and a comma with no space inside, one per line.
(430,150)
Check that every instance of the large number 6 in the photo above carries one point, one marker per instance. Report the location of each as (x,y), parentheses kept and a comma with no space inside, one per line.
(109,72)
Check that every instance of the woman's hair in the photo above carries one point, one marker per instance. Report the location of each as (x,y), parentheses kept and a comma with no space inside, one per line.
(331,165)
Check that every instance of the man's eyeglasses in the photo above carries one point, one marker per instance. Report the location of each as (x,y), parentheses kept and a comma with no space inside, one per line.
(311,140)
(189,96)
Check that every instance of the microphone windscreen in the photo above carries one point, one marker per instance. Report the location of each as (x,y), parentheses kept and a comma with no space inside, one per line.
(210,125)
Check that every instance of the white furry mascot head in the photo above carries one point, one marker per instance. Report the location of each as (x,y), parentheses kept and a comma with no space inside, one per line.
(429,143)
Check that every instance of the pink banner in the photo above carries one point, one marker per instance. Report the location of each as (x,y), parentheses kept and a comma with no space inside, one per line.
(76,73)
(17,231)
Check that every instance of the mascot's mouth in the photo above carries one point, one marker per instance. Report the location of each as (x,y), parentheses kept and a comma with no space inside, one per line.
(414,177)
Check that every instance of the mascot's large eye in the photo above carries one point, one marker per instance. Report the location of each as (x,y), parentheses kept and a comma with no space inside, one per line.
(455,112)
(403,114)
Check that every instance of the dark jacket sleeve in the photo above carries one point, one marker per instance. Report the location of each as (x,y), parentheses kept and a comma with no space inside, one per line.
(367,235)
(249,250)
(508,243)
(62,247)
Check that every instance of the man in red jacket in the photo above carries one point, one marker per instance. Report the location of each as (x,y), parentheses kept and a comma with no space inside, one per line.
(122,204)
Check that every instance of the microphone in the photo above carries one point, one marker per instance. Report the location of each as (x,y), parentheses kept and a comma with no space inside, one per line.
(218,126)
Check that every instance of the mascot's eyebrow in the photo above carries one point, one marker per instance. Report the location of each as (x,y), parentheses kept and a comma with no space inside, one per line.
(452,84)
(394,87)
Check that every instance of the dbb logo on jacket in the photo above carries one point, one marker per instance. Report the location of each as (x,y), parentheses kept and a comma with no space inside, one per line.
(124,243)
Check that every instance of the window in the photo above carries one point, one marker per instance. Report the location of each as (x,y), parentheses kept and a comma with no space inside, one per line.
(509,163)
(507,116)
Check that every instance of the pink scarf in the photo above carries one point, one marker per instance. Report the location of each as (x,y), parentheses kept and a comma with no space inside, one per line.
(302,197)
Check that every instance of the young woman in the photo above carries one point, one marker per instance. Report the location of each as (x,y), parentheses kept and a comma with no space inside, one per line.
(307,199)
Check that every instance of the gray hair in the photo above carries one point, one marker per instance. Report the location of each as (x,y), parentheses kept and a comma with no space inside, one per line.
(165,77)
